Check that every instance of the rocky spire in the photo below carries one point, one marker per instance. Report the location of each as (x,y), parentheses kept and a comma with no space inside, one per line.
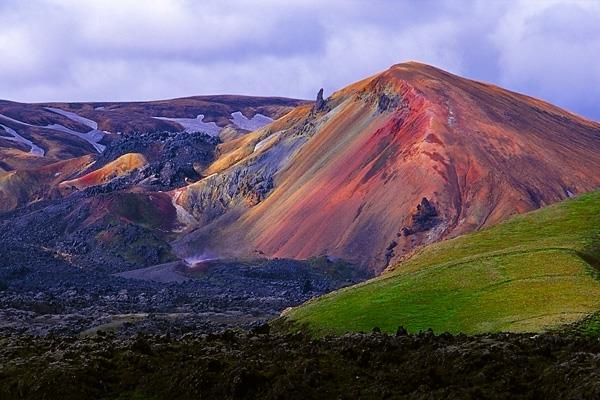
(320,103)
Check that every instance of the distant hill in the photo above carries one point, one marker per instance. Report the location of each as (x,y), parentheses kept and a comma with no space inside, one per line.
(534,272)
(35,134)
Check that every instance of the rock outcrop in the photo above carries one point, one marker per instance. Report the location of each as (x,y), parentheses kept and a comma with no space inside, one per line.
(424,218)
(320,103)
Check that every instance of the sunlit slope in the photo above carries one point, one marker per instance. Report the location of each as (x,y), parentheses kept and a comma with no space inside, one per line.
(344,179)
(123,165)
(533,272)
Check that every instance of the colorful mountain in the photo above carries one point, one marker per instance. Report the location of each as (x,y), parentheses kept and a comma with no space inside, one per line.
(405,158)
(402,159)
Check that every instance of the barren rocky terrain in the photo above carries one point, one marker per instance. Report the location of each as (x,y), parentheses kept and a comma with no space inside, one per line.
(48,296)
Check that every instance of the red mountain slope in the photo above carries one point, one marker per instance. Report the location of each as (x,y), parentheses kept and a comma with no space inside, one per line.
(406,157)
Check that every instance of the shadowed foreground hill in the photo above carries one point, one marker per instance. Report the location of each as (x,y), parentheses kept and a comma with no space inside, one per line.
(297,367)
(531,273)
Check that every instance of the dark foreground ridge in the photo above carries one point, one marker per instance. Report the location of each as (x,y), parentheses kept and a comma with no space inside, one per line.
(259,365)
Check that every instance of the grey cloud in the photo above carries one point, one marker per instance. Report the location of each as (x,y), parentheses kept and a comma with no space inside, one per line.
(136,49)
(553,54)
(566,22)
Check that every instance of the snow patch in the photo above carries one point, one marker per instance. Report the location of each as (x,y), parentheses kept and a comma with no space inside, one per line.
(193,125)
(14,120)
(34,149)
(252,124)
(451,117)
(74,117)
(267,140)
(199,258)
(92,137)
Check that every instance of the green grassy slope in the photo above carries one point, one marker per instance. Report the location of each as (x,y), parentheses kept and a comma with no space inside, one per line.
(533,272)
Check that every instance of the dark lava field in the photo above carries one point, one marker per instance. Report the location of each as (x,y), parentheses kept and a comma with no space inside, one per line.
(262,365)
(47,297)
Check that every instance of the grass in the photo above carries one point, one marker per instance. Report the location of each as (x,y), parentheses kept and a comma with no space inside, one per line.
(589,326)
(534,272)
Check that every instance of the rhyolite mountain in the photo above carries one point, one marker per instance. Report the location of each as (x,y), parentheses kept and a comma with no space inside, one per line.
(405,158)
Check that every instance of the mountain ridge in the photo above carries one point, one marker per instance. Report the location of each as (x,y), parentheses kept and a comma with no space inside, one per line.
(62,130)
(388,164)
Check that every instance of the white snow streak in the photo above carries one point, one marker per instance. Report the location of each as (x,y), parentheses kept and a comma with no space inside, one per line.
(74,117)
(92,137)
(192,125)
(34,151)
(252,124)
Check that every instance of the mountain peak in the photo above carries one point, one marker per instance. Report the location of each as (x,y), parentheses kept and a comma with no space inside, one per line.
(350,181)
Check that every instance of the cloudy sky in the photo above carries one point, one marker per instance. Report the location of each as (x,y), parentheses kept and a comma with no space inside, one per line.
(151,49)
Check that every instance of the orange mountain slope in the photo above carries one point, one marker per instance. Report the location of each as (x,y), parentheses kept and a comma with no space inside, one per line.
(404,158)
(121,166)
(18,188)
